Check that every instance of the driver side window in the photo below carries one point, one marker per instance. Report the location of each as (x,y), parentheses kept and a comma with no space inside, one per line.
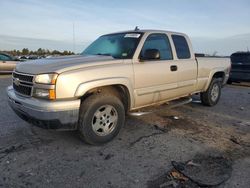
(159,42)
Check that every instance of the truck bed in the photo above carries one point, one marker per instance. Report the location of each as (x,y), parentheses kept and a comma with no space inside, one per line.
(207,66)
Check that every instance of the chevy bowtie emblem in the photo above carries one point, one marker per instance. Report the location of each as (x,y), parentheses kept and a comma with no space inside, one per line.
(17,81)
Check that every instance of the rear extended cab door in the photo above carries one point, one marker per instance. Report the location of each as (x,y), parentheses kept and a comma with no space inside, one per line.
(187,67)
(153,79)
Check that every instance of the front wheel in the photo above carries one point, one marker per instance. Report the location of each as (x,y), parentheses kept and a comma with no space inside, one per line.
(101,118)
(213,93)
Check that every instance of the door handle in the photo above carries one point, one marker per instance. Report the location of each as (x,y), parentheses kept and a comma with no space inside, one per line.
(173,68)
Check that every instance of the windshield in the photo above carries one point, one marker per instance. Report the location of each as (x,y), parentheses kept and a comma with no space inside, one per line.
(119,46)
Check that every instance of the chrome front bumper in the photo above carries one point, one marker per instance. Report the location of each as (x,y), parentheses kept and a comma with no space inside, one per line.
(46,114)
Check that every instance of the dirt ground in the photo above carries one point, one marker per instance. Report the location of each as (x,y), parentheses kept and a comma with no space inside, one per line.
(142,155)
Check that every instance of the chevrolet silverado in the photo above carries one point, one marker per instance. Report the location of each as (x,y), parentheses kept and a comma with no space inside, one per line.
(116,74)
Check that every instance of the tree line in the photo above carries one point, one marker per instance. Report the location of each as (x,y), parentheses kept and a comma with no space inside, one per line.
(38,52)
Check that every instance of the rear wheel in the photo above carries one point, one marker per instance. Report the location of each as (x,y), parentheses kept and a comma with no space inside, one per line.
(212,95)
(101,118)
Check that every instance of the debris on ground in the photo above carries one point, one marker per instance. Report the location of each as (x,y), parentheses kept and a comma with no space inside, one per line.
(173,179)
(242,123)
(177,175)
(109,156)
(175,117)
(245,123)
(5,151)
(11,149)
(206,170)
(160,128)
(235,140)
(143,137)
(242,108)
(202,171)
(238,141)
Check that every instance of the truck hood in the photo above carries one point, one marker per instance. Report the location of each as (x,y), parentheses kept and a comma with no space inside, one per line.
(65,63)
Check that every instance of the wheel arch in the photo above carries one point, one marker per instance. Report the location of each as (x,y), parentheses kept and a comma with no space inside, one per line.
(215,74)
(122,86)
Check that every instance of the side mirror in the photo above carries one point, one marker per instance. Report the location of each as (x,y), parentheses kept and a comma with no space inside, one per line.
(151,54)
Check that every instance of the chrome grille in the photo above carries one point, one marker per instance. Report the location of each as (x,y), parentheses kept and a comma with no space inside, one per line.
(23,83)
(23,77)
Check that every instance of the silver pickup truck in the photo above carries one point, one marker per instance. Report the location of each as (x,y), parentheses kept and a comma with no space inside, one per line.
(118,73)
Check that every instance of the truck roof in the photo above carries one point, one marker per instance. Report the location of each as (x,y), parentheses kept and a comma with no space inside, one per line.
(148,31)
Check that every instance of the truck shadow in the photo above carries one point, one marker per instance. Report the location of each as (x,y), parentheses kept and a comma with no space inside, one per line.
(239,84)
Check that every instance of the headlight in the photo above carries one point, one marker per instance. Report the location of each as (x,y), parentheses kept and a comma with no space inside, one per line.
(46,78)
(45,93)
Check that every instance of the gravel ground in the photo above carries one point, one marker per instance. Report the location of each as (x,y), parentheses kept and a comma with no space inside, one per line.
(140,155)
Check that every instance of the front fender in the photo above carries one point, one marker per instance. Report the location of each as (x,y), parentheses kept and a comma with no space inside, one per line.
(83,88)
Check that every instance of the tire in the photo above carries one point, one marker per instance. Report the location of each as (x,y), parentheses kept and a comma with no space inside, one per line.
(229,81)
(101,118)
(213,93)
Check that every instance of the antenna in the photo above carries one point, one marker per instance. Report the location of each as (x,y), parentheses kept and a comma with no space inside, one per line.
(247,49)
(136,28)
(74,40)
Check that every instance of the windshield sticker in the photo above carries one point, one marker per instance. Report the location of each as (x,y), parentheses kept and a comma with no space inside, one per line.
(132,35)
(124,54)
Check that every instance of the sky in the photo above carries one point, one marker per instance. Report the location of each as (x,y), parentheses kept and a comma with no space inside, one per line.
(221,26)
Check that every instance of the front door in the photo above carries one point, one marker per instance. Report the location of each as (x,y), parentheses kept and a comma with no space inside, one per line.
(156,79)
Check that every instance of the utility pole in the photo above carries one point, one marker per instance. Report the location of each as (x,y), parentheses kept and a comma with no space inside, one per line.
(74,40)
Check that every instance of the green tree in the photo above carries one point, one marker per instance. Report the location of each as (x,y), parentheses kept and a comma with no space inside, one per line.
(18,52)
(55,52)
(39,51)
(25,51)
(65,52)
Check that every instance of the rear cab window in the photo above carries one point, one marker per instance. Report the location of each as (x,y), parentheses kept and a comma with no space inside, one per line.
(160,42)
(181,47)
